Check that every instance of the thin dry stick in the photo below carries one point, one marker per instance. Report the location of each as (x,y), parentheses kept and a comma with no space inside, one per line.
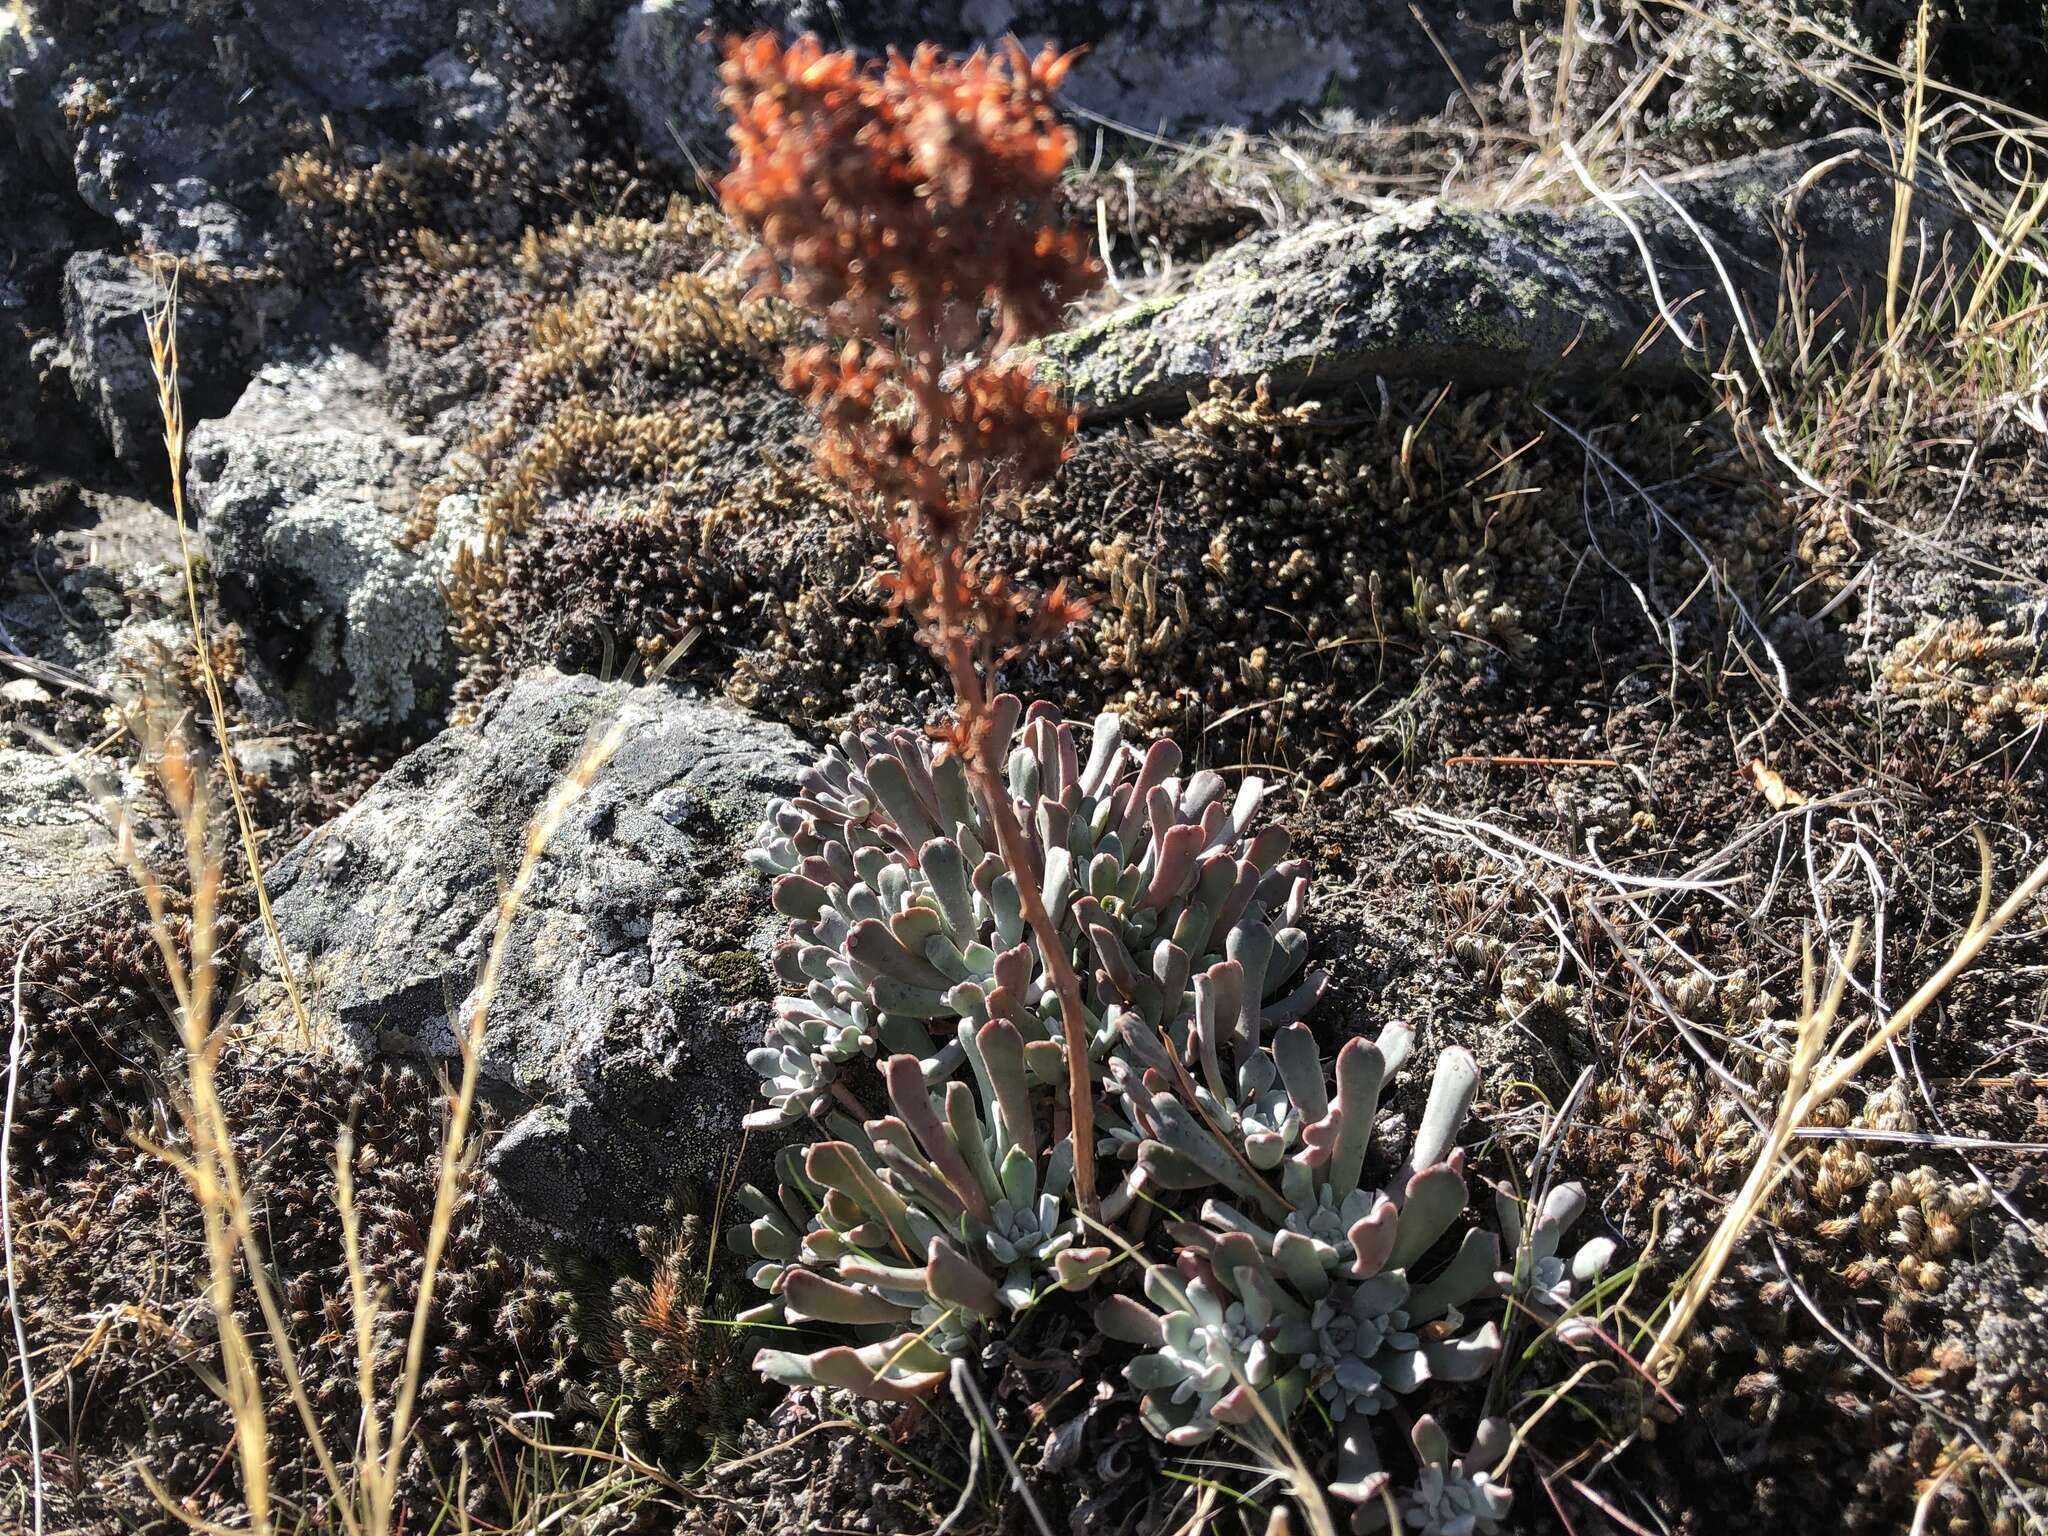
(1513,760)
(383,1478)
(1925,1505)
(194,991)
(1567,40)
(162,329)
(28,1378)
(974,1407)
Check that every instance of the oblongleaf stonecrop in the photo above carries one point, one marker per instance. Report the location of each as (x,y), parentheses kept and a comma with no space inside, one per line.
(1011,959)
(913,208)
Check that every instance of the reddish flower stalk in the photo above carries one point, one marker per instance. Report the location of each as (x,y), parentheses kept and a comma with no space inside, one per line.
(912,206)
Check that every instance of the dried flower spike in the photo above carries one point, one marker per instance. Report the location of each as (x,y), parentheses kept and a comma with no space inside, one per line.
(912,207)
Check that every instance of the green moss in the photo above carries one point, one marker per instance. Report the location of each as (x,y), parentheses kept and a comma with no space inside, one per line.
(738,974)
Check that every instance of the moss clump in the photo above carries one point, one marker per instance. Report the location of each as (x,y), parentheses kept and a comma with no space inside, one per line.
(738,974)
(672,1371)
(96,1036)
(1982,679)
(1264,570)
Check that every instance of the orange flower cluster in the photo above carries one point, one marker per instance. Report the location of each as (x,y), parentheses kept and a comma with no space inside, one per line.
(918,194)
(912,206)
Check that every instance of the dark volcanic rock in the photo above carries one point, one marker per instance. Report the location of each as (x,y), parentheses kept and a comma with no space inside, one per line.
(361,55)
(1153,65)
(172,121)
(634,982)
(107,301)
(1485,297)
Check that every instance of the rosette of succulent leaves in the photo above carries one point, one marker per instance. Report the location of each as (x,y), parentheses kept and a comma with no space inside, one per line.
(1543,1278)
(1285,1255)
(1452,1495)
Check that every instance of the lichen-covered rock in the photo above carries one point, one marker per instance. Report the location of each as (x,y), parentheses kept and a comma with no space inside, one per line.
(1486,297)
(634,982)
(1173,66)
(56,855)
(304,487)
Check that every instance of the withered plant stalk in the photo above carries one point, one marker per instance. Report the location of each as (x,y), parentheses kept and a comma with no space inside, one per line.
(912,206)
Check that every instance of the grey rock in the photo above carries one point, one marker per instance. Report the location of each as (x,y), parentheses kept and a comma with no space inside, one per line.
(29,61)
(95,116)
(1175,66)
(107,301)
(303,491)
(86,606)
(665,73)
(469,103)
(634,981)
(1178,66)
(56,853)
(1485,297)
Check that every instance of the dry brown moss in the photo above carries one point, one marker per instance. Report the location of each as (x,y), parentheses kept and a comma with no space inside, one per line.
(1980,678)
(115,1271)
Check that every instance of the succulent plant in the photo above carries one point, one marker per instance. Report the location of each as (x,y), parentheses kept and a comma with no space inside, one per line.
(1324,1297)
(1452,1495)
(906,924)
(1314,1271)
(1542,1276)
(949,1213)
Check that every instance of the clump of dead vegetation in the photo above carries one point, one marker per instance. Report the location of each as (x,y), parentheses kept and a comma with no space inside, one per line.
(1979,678)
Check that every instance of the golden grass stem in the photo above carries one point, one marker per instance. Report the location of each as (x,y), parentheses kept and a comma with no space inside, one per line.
(1909,166)
(1814,1023)
(162,330)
